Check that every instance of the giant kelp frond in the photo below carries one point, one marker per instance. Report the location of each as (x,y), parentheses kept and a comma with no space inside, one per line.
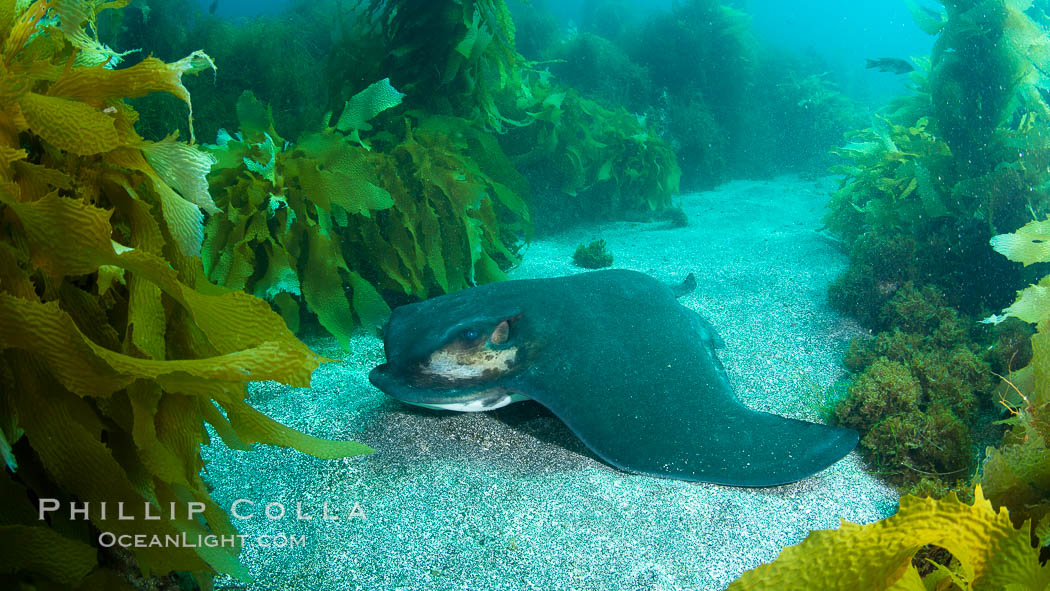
(114,349)
(991,552)
(365,105)
(456,54)
(970,142)
(333,226)
(1017,473)
(967,149)
(76,20)
(608,160)
(989,65)
(893,178)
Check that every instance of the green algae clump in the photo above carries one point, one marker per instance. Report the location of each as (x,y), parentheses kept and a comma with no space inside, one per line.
(592,256)
(916,397)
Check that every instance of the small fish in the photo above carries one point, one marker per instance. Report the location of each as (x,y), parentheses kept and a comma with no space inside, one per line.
(890,64)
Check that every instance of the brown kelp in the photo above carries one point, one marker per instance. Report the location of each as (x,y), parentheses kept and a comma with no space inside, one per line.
(115,350)
(431,210)
(963,158)
(720,98)
(589,162)
(1017,472)
(453,57)
(701,59)
(458,58)
(989,552)
(284,58)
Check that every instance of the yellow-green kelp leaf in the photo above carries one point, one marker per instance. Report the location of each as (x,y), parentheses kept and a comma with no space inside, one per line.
(231,321)
(366,104)
(1018,473)
(184,168)
(88,369)
(95,85)
(65,235)
(349,190)
(323,286)
(1030,244)
(46,552)
(992,554)
(183,217)
(368,304)
(64,432)
(69,125)
(1032,304)
(253,426)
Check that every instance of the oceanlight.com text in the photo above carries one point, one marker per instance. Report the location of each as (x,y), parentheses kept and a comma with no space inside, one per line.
(184,540)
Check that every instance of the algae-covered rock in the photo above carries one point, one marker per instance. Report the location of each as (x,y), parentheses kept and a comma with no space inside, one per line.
(592,256)
(917,392)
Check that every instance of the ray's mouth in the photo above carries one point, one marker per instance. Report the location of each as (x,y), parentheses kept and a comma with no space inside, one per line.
(387,378)
(426,393)
(382,377)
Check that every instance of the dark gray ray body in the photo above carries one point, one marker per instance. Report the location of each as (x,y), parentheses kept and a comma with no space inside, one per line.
(631,371)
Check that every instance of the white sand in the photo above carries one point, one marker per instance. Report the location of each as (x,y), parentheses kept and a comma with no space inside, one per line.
(510,499)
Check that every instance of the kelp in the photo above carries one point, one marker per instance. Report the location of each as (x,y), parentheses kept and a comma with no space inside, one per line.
(1017,472)
(457,57)
(893,179)
(797,117)
(934,177)
(719,76)
(365,105)
(602,71)
(988,62)
(964,157)
(453,57)
(330,226)
(599,161)
(115,350)
(282,56)
(989,552)
(971,143)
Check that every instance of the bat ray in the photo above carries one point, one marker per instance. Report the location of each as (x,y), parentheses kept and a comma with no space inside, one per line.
(633,373)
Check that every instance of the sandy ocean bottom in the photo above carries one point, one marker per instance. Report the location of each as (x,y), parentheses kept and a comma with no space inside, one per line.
(511,499)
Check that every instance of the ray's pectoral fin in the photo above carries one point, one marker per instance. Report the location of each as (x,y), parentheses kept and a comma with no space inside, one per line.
(716,440)
(763,449)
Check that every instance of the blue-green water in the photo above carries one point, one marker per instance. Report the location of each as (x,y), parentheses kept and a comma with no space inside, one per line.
(582,294)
